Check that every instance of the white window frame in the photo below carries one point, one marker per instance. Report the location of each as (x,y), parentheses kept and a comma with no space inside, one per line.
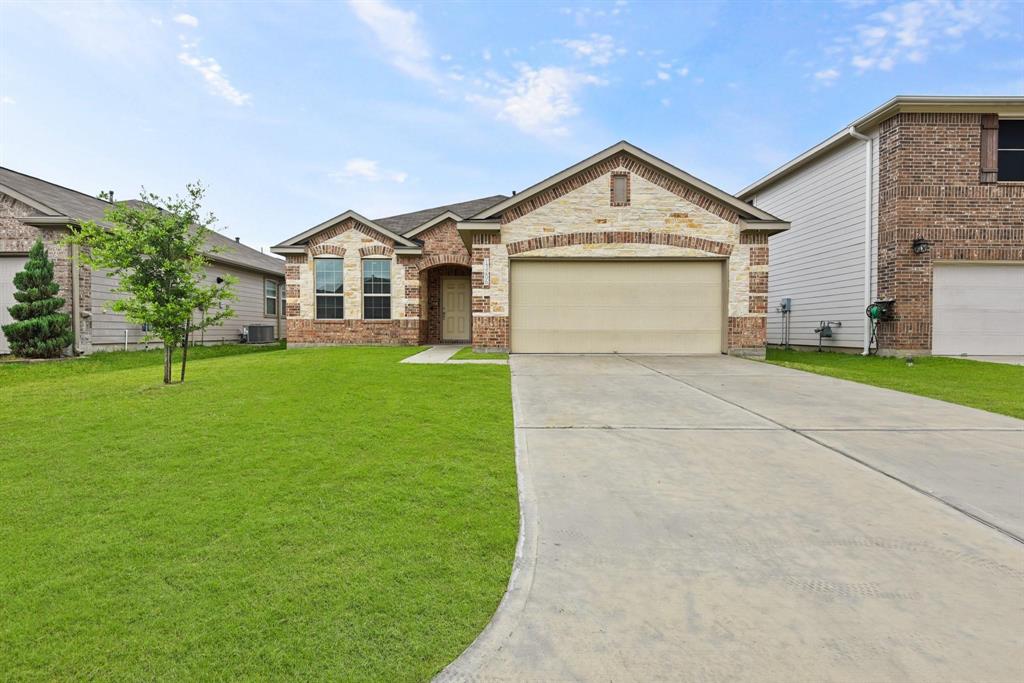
(1000,148)
(369,295)
(318,295)
(276,298)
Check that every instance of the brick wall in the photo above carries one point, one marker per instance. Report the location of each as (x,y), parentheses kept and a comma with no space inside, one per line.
(490,333)
(302,332)
(929,187)
(17,238)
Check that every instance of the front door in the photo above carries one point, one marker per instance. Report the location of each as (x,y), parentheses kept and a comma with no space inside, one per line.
(455,309)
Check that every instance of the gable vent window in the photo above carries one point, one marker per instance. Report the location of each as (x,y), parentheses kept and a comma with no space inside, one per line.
(1011,150)
(330,289)
(376,289)
(620,189)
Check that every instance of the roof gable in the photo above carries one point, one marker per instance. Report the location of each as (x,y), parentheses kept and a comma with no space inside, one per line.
(674,179)
(62,206)
(298,242)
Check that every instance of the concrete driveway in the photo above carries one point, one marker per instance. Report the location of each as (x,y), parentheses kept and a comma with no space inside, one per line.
(716,519)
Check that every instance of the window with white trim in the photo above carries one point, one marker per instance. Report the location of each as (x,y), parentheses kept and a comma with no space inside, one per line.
(1011,149)
(270,297)
(376,289)
(330,288)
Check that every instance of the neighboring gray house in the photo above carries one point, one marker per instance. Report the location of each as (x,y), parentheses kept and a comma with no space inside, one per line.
(920,201)
(31,209)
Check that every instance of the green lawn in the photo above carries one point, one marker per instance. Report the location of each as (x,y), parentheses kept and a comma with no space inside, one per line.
(301,514)
(468,353)
(994,387)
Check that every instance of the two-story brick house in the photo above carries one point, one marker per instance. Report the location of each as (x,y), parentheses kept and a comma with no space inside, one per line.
(920,201)
(621,252)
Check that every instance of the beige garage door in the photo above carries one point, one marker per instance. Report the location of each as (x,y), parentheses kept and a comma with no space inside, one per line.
(9,266)
(616,306)
(978,309)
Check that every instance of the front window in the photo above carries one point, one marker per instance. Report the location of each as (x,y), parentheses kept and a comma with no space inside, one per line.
(330,289)
(1011,149)
(376,289)
(269,297)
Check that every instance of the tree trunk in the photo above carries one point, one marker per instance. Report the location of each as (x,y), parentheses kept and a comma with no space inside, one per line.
(168,350)
(184,352)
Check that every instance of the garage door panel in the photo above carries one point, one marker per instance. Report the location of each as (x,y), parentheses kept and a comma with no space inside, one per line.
(618,306)
(9,267)
(978,309)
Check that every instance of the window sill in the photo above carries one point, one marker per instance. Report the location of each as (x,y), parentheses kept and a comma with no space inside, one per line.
(358,320)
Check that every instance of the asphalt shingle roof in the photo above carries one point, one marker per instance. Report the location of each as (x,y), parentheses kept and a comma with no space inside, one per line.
(405,222)
(63,201)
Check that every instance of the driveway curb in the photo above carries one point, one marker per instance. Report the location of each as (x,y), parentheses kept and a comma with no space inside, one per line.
(520,582)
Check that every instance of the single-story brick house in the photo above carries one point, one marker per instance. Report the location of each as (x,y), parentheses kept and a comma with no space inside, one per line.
(621,252)
(920,201)
(32,208)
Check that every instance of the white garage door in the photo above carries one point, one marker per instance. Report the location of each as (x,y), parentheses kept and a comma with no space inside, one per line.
(616,306)
(9,265)
(978,309)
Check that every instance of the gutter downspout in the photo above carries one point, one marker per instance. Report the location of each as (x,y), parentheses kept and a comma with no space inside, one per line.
(76,346)
(867,233)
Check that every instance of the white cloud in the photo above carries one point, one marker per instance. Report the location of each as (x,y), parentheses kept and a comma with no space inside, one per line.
(539,100)
(826,76)
(398,32)
(486,54)
(211,71)
(186,20)
(7,99)
(664,76)
(446,58)
(683,72)
(598,49)
(666,102)
(367,169)
(910,31)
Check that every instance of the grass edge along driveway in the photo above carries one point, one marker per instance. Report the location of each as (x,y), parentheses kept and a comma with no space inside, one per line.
(310,513)
(994,387)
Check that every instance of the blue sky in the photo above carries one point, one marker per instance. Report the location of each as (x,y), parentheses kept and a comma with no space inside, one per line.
(294,112)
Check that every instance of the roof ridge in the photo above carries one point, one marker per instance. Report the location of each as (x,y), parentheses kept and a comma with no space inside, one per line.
(441,207)
(50,182)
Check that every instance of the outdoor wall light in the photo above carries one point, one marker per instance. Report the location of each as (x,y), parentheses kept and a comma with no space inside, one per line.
(921,246)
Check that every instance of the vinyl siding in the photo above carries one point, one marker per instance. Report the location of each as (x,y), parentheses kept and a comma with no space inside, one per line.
(819,261)
(108,328)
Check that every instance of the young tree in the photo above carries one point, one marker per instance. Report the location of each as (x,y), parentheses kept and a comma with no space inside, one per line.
(40,330)
(157,248)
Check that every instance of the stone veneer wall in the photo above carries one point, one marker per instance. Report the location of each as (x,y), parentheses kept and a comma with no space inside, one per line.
(18,238)
(663,218)
(411,278)
(930,186)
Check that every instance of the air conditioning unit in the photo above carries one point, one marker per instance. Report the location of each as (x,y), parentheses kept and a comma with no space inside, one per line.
(259,334)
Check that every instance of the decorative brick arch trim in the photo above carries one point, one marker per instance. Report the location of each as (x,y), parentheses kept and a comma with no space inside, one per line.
(345,226)
(633,165)
(569,239)
(321,249)
(376,250)
(455,259)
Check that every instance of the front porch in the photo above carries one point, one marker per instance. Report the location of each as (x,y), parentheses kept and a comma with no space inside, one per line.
(447,307)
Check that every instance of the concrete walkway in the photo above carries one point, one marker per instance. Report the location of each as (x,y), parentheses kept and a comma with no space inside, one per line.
(442,353)
(715,519)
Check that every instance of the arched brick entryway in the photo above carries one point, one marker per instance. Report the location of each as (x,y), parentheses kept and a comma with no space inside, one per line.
(431,330)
